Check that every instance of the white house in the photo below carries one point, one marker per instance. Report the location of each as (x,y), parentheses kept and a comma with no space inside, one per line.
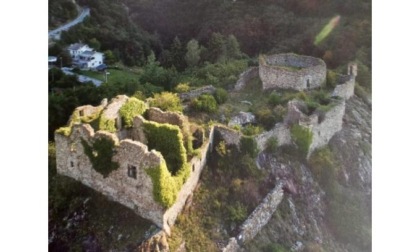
(85,57)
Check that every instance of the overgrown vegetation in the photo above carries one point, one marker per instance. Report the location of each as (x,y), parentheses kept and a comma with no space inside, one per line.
(249,146)
(205,103)
(130,109)
(100,155)
(166,101)
(302,137)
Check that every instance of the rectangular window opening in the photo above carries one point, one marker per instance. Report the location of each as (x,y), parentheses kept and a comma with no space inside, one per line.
(132,171)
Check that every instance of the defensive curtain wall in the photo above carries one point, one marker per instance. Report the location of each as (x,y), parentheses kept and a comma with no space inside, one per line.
(291,71)
(130,184)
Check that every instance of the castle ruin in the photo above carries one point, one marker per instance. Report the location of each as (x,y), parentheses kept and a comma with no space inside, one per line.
(291,71)
(139,175)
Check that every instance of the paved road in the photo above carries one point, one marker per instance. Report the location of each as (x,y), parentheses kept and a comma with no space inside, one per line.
(56,33)
(81,78)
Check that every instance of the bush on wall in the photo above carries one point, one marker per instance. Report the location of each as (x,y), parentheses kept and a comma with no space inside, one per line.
(174,170)
(302,136)
(168,140)
(130,109)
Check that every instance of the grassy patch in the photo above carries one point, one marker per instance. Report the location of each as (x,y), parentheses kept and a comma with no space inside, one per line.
(115,76)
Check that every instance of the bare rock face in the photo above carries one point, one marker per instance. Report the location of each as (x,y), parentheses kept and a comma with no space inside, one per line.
(302,220)
(242,118)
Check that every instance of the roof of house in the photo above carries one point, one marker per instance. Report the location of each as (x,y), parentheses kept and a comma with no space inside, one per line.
(101,67)
(76,46)
(88,53)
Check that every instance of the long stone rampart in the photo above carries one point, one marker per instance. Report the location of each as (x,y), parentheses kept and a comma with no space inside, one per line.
(291,71)
(257,220)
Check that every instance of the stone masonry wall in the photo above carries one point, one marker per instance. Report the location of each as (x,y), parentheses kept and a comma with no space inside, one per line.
(324,131)
(135,193)
(245,77)
(197,92)
(257,220)
(291,71)
(281,132)
(197,164)
(157,115)
(345,86)
(230,136)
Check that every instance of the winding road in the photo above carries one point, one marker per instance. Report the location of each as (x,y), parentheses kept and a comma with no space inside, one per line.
(55,34)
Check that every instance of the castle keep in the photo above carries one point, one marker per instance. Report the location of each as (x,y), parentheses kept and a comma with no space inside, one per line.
(291,71)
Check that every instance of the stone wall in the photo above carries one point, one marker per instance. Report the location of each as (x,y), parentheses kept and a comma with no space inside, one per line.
(291,71)
(281,132)
(132,156)
(230,136)
(325,130)
(157,115)
(244,77)
(197,92)
(135,193)
(197,164)
(257,220)
(345,86)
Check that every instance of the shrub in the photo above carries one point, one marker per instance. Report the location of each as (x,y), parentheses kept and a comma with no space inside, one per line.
(237,212)
(302,137)
(251,130)
(182,88)
(130,109)
(322,164)
(274,99)
(331,79)
(205,103)
(249,146)
(167,101)
(271,144)
(221,95)
(100,155)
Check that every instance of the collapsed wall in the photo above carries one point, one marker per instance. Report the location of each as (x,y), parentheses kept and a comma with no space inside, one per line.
(291,71)
(245,77)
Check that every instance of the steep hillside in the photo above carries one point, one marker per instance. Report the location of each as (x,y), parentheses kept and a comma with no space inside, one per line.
(330,211)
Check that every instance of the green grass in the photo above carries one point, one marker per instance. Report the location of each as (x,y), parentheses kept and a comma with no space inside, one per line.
(115,76)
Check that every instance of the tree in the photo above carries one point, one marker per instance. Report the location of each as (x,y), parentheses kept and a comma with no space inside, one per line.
(177,52)
(94,43)
(217,48)
(109,57)
(232,48)
(192,57)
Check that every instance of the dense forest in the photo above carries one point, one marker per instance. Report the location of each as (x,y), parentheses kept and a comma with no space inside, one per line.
(156,46)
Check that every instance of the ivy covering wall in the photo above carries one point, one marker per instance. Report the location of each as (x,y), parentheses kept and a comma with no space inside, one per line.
(302,137)
(100,155)
(130,109)
(172,173)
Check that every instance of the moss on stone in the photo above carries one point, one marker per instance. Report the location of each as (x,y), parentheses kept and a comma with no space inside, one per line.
(66,131)
(107,124)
